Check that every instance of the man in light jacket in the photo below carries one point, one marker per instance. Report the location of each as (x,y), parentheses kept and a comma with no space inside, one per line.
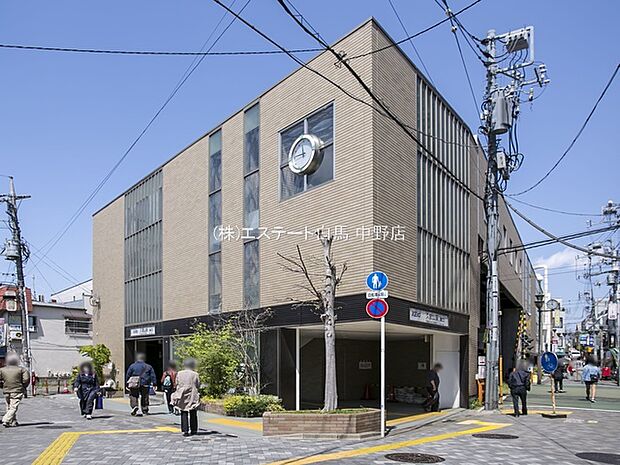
(186,397)
(14,380)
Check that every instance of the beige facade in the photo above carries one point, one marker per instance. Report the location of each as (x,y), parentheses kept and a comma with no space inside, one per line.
(374,184)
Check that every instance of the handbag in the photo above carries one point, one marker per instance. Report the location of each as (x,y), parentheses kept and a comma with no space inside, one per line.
(99,402)
(134,382)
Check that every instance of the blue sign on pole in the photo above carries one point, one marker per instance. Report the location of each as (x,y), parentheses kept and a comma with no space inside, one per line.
(377,281)
(549,362)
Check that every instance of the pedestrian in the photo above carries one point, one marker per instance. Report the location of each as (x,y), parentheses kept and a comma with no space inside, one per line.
(168,383)
(186,397)
(86,387)
(14,381)
(558,378)
(432,389)
(591,375)
(139,380)
(519,384)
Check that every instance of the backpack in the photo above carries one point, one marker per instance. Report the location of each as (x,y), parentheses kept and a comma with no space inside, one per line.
(167,381)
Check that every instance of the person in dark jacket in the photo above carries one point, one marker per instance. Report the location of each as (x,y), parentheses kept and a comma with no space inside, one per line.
(432,389)
(519,383)
(139,379)
(86,387)
(168,383)
(558,377)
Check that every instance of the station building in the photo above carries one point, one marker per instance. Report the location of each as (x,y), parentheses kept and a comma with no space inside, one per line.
(200,235)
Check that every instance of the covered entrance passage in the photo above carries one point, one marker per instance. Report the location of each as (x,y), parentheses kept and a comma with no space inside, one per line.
(410,353)
(153,349)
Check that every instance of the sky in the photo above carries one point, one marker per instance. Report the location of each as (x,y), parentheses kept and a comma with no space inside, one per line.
(66,118)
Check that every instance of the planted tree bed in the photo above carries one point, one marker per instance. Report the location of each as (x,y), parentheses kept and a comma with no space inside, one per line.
(339,424)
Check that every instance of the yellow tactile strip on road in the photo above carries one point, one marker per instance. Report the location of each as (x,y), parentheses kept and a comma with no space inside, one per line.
(482,428)
(60,447)
(417,417)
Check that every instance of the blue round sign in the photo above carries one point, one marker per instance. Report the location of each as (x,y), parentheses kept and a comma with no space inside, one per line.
(549,362)
(377,308)
(377,281)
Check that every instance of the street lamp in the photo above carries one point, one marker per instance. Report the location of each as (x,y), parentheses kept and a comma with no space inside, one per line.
(539,301)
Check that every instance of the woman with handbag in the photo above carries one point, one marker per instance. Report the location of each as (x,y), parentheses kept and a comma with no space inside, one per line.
(86,387)
(186,397)
(591,375)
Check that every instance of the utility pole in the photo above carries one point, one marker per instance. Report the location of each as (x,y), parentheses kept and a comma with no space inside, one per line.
(500,109)
(611,215)
(14,251)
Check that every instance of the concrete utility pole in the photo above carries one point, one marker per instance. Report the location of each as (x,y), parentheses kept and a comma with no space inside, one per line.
(611,216)
(500,110)
(14,251)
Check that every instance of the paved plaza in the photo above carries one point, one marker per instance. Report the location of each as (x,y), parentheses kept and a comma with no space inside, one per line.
(52,432)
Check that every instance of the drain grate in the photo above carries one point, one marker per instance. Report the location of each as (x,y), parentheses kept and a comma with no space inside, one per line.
(415,458)
(600,457)
(495,436)
(53,427)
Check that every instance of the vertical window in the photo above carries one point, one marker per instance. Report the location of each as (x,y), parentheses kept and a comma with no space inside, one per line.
(511,254)
(215,222)
(143,251)
(321,124)
(251,217)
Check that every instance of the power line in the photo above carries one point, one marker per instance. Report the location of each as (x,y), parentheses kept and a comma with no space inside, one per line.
(42,48)
(554,210)
(192,67)
(556,238)
(385,111)
(583,126)
(417,34)
(402,25)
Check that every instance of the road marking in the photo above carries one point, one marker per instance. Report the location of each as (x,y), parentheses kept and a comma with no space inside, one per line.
(586,409)
(419,416)
(536,412)
(55,453)
(484,426)
(253,425)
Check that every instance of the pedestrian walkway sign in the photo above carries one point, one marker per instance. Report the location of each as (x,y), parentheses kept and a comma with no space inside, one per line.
(377,281)
(377,308)
(549,362)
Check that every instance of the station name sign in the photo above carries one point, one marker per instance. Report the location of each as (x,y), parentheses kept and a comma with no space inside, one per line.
(143,331)
(429,318)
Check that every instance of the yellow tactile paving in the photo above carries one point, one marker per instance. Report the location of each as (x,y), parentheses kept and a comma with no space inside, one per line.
(484,427)
(509,411)
(253,425)
(57,450)
(417,417)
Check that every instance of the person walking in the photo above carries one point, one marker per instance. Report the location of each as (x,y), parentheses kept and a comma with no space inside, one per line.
(168,383)
(86,387)
(432,389)
(591,375)
(14,380)
(558,377)
(139,379)
(187,398)
(519,384)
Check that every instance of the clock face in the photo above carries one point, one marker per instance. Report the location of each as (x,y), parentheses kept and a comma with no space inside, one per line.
(553,304)
(305,154)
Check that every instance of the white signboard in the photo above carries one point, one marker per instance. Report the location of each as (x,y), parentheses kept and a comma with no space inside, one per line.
(612,311)
(377,294)
(429,318)
(144,331)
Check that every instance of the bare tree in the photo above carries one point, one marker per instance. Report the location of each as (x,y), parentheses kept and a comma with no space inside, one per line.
(322,299)
(247,326)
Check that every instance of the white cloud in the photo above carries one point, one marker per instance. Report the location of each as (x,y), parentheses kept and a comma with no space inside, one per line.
(565,257)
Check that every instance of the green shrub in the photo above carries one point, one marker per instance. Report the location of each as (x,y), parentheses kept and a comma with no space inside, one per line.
(251,406)
(474,403)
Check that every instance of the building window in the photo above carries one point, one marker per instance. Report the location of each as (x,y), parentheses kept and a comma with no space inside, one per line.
(215,222)
(251,216)
(143,251)
(321,124)
(78,327)
(511,254)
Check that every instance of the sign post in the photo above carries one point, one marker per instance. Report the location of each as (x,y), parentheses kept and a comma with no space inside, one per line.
(377,281)
(549,363)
